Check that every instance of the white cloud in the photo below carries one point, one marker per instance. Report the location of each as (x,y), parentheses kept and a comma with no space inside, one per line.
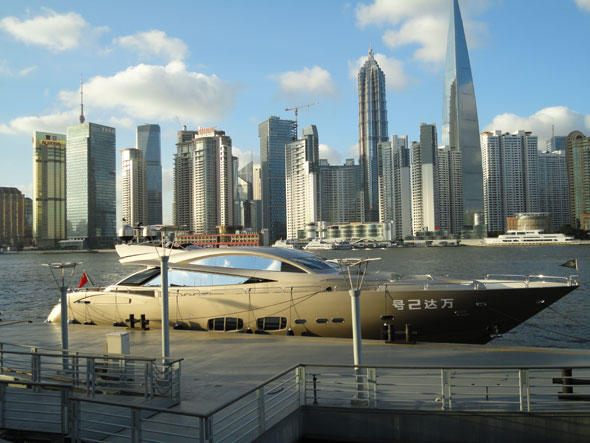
(564,119)
(154,42)
(422,22)
(245,156)
(330,154)
(124,122)
(584,4)
(314,82)
(26,71)
(353,152)
(57,122)
(395,77)
(58,32)
(154,92)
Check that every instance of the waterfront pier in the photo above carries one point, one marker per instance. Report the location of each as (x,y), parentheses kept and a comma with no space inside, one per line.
(278,388)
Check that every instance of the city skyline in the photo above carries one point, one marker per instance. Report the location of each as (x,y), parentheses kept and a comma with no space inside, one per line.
(128,57)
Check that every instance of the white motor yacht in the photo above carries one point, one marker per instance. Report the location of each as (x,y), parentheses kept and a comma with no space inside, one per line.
(283,291)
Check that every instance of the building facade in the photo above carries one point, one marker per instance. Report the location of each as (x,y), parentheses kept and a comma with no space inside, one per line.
(91,188)
(340,193)
(424,187)
(12,217)
(148,142)
(395,201)
(449,190)
(49,188)
(577,156)
(460,129)
(274,134)
(553,188)
(134,197)
(301,181)
(510,164)
(372,130)
(203,181)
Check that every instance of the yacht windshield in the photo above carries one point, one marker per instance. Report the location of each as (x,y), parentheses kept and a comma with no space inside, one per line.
(139,278)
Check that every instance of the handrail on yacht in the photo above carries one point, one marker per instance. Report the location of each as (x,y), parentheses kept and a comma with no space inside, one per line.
(571,280)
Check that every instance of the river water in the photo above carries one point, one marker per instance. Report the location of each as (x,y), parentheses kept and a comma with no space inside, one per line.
(28,291)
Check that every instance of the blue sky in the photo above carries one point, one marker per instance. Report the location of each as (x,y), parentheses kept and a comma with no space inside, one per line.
(231,64)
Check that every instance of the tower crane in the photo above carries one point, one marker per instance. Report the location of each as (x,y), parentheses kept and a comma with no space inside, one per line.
(296,109)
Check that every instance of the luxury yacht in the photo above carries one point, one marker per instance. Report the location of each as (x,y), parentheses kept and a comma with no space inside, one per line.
(283,291)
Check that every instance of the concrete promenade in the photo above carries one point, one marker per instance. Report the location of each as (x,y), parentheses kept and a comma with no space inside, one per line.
(218,367)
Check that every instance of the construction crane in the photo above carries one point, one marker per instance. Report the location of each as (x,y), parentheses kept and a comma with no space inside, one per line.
(296,109)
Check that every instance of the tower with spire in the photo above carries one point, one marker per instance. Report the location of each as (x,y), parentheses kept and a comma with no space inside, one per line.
(372,130)
(460,128)
(82,119)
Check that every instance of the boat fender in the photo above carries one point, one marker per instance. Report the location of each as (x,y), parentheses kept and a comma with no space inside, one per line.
(290,332)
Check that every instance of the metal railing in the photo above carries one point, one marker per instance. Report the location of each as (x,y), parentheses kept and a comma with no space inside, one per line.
(570,280)
(92,374)
(478,389)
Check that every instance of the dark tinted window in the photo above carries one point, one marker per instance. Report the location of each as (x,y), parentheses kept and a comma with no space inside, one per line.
(141,277)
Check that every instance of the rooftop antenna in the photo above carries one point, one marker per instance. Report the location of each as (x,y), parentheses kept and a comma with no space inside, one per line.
(81,100)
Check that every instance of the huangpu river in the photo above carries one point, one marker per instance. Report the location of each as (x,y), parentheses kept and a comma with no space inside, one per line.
(28,291)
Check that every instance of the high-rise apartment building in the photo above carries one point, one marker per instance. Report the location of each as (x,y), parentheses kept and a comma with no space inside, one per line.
(449,190)
(340,193)
(577,157)
(460,129)
(203,181)
(274,134)
(134,198)
(510,165)
(301,181)
(90,180)
(424,187)
(553,188)
(148,142)
(257,182)
(49,188)
(12,217)
(372,130)
(395,191)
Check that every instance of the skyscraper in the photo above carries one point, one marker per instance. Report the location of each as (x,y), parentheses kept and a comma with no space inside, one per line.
(90,179)
(372,130)
(395,192)
(274,134)
(460,129)
(340,193)
(148,142)
(510,165)
(553,188)
(449,190)
(49,188)
(301,181)
(203,181)
(134,204)
(423,158)
(577,157)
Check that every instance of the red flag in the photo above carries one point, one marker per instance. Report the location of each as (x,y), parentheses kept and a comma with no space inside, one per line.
(83,280)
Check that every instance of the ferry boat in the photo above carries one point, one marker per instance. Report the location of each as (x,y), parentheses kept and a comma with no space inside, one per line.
(283,291)
(528,237)
(317,244)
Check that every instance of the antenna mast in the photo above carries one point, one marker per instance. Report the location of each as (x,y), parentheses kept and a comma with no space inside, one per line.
(81,100)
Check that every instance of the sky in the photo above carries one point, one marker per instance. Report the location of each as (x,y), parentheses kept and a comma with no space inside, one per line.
(232,64)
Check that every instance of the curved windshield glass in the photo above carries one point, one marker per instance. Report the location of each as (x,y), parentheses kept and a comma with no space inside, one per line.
(177,277)
(241,262)
(139,278)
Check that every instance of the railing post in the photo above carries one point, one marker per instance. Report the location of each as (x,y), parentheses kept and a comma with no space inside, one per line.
(90,376)
(261,415)
(1,357)
(74,419)
(135,425)
(76,368)
(35,368)
(2,396)
(372,386)
(445,389)
(524,396)
(300,382)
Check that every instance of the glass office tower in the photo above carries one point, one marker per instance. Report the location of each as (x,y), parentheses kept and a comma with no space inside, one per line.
(460,129)
(274,133)
(372,130)
(148,142)
(90,179)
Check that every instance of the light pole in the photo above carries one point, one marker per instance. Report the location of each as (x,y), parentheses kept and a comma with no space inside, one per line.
(356,283)
(59,277)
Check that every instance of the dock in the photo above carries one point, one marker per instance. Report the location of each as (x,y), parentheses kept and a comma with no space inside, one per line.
(218,368)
